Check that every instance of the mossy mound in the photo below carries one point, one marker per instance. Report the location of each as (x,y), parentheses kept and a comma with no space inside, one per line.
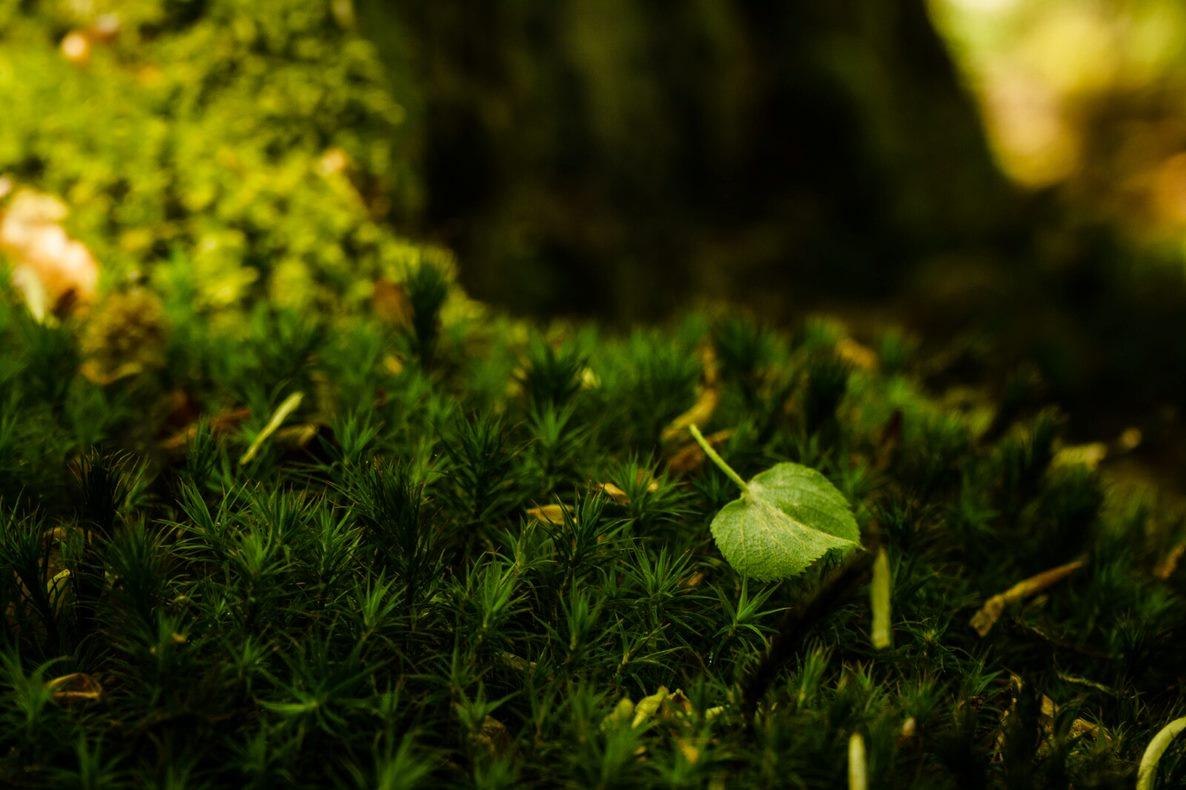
(378,593)
(249,149)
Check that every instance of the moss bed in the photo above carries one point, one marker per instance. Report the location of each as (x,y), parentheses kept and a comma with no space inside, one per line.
(283,507)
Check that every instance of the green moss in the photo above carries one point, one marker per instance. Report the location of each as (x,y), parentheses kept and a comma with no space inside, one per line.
(368,595)
(256,147)
(369,601)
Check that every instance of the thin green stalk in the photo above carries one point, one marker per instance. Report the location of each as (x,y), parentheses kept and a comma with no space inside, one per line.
(716,459)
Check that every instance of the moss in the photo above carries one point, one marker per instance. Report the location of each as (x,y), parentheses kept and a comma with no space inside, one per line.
(474,553)
(255,147)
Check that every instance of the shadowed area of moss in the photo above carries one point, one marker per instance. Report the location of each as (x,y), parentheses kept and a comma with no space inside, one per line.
(467,541)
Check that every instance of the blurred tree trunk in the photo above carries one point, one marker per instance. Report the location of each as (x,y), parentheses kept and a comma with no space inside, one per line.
(611,157)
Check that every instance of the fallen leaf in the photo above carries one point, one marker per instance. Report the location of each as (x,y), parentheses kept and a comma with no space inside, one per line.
(1080,727)
(648,706)
(393,364)
(298,436)
(334,161)
(709,368)
(787,518)
(994,607)
(891,438)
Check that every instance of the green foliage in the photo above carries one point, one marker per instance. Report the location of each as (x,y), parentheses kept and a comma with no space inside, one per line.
(368,599)
(231,149)
(472,544)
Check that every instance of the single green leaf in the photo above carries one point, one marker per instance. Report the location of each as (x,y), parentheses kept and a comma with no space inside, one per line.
(787,518)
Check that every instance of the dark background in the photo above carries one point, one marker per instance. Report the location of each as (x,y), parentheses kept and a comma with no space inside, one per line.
(624,161)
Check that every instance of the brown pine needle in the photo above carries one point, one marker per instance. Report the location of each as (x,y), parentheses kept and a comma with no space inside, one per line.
(994,607)
(75,687)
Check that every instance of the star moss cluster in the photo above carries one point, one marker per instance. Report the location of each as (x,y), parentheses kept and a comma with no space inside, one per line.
(405,540)
(382,594)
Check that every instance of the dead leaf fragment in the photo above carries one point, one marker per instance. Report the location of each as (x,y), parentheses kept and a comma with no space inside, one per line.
(549,514)
(856,354)
(890,439)
(220,423)
(49,267)
(614,493)
(689,457)
(700,413)
(1089,455)
(391,303)
(491,737)
(75,687)
(1080,727)
(618,495)
(994,607)
(1168,565)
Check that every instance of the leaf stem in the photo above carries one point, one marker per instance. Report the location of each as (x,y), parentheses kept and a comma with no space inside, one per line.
(716,459)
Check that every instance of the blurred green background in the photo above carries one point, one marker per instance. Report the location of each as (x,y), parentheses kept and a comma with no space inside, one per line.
(1007,173)
(1005,179)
